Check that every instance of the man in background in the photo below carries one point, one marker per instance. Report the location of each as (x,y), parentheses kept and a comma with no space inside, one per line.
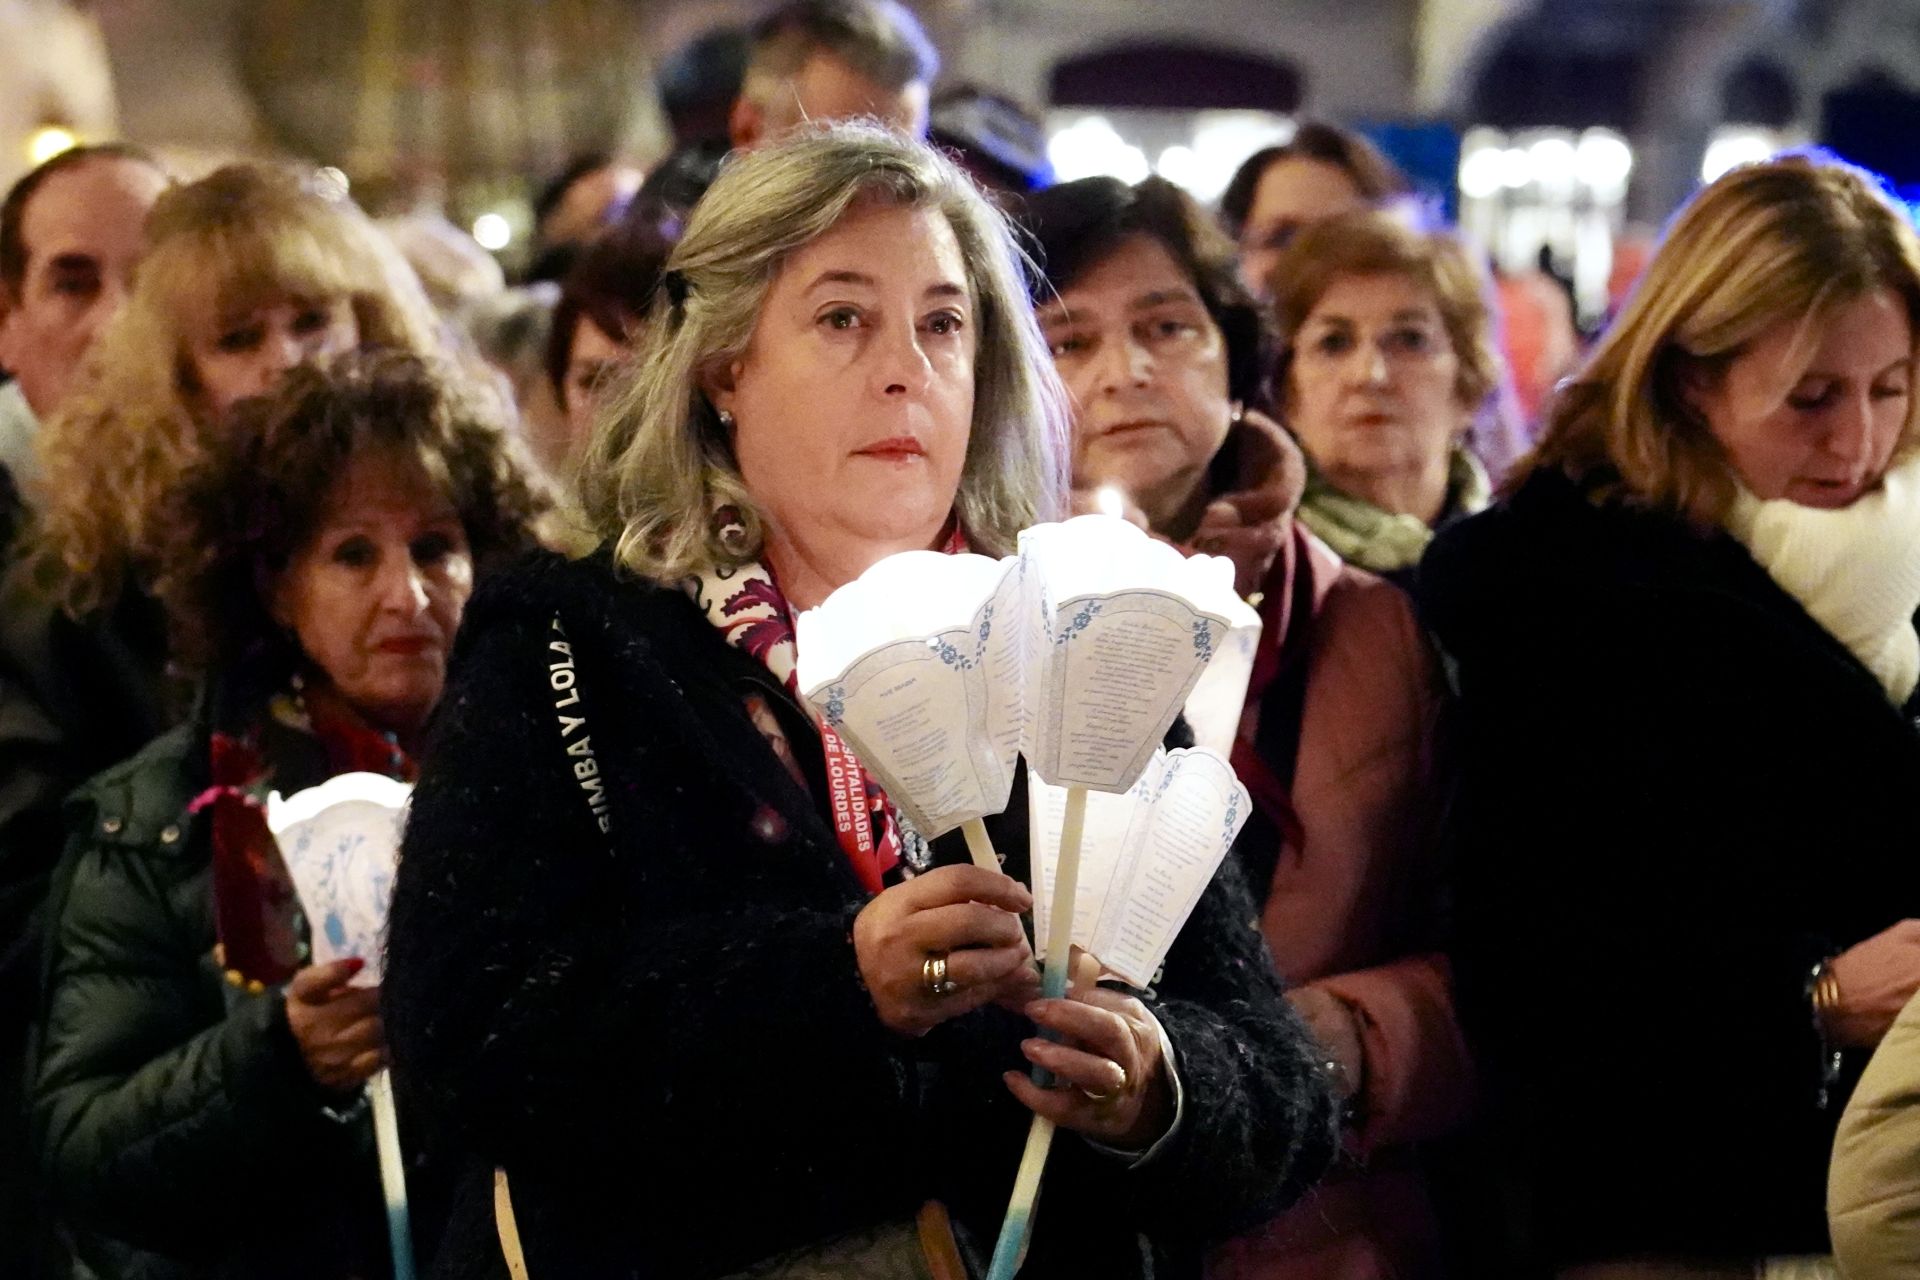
(810,60)
(834,60)
(70,234)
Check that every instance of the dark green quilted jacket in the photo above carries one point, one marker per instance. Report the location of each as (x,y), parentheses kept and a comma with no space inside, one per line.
(177,1130)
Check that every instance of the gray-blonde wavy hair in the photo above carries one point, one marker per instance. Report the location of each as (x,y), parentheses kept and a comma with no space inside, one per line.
(658,464)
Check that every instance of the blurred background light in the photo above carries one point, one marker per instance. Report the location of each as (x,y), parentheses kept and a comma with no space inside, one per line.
(1516,168)
(1480,173)
(1182,166)
(1091,147)
(1554,162)
(1730,148)
(1603,161)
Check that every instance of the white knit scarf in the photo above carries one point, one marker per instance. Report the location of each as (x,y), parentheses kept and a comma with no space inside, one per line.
(1855,570)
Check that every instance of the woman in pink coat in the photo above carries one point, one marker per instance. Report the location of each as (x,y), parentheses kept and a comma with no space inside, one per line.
(1166,357)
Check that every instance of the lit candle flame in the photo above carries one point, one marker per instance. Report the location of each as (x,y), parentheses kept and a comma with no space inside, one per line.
(49,141)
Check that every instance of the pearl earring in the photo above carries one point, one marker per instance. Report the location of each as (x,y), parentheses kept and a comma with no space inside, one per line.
(726,420)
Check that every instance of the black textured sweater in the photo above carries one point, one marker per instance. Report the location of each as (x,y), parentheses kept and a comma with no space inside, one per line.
(1679,793)
(659,1028)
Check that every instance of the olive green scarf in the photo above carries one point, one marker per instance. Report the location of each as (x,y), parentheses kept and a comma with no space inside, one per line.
(1385,541)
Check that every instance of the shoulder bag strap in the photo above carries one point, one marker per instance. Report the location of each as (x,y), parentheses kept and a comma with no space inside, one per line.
(570,722)
(508,1228)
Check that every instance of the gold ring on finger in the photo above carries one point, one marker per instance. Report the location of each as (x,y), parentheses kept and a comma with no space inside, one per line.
(1100,1098)
(933,976)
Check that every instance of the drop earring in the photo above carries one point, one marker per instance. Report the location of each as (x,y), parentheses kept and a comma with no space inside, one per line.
(730,530)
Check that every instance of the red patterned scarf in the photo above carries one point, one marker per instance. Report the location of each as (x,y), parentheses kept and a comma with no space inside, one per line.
(747,606)
(255,907)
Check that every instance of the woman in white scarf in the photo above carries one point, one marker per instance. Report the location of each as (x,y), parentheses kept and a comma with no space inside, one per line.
(1684,641)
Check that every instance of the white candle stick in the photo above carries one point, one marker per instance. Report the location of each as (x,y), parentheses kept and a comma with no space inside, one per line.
(1012,1245)
(980,845)
(393,1173)
(1011,1248)
(1060,902)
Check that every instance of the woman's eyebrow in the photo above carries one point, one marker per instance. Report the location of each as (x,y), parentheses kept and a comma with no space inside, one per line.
(1831,375)
(841,276)
(1160,297)
(943,289)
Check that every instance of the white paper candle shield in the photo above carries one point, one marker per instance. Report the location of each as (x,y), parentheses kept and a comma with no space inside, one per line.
(1079,652)
(1129,624)
(1220,695)
(917,665)
(341,841)
(1147,855)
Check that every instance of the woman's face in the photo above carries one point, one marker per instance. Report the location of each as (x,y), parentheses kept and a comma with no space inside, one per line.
(1147,368)
(375,594)
(1373,386)
(853,401)
(1812,412)
(244,355)
(592,362)
(1292,194)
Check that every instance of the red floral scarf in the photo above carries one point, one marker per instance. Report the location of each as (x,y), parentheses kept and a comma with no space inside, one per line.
(747,606)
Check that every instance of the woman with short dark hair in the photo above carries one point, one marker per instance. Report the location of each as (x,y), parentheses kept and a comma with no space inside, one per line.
(1166,359)
(1321,172)
(596,323)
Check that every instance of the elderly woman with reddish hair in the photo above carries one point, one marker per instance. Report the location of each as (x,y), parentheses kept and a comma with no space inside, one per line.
(1386,362)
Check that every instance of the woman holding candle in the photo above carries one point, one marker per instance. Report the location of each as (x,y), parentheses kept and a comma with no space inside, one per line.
(248,272)
(1165,357)
(647,905)
(196,1093)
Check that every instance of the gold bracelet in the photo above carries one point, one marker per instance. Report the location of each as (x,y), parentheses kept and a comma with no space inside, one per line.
(1826,998)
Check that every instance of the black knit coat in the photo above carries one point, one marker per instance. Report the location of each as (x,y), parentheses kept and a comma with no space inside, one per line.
(660,1030)
(1681,793)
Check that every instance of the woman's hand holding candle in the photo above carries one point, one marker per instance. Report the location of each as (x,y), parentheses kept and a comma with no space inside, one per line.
(1113,1085)
(958,926)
